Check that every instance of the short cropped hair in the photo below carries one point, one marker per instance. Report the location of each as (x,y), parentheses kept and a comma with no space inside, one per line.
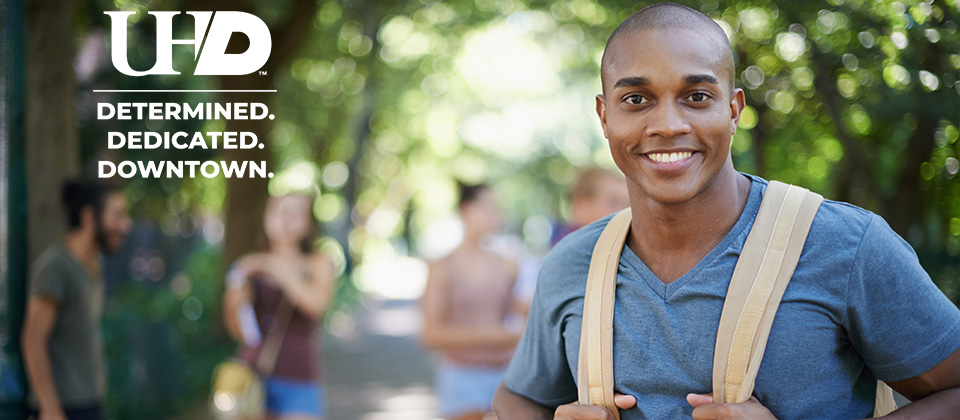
(76,196)
(670,16)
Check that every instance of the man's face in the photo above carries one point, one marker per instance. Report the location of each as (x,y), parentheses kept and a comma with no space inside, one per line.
(114,223)
(482,214)
(668,111)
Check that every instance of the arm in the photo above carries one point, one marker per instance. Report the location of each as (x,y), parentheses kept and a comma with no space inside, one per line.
(934,394)
(510,406)
(437,334)
(232,297)
(519,305)
(314,295)
(311,296)
(888,284)
(903,324)
(40,319)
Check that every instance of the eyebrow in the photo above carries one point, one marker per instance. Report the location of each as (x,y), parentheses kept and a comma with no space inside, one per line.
(689,79)
(630,81)
(700,78)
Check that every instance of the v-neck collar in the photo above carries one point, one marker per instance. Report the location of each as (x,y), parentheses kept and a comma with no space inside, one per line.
(75,261)
(630,261)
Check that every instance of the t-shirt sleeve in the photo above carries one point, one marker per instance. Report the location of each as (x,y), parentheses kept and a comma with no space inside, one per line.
(48,281)
(897,319)
(539,370)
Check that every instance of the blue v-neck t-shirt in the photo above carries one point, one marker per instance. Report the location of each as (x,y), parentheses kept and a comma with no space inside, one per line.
(859,307)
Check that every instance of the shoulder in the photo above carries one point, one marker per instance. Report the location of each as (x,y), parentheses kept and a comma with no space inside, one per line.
(840,230)
(836,218)
(52,275)
(837,224)
(438,268)
(320,262)
(844,224)
(53,258)
(847,234)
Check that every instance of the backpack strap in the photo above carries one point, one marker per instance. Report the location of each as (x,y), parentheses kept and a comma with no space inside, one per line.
(885,404)
(765,266)
(595,365)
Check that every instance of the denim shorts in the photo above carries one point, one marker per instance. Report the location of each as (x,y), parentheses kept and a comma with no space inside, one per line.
(464,389)
(291,396)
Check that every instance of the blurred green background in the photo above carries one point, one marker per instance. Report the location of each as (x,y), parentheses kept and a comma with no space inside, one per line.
(382,105)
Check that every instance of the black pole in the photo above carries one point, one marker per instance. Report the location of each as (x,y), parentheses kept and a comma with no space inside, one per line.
(13,209)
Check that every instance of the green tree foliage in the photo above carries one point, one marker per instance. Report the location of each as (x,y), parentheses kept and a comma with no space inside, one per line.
(858,100)
(387,103)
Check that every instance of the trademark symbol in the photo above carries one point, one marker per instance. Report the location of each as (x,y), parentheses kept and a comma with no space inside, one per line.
(262,72)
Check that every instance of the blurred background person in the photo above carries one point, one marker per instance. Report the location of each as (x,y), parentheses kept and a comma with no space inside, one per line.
(468,297)
(288,272)
(61,342)
(594,194)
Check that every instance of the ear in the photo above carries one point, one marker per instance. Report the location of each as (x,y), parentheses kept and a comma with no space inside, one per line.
(88,217)
(602,113)
(737,102)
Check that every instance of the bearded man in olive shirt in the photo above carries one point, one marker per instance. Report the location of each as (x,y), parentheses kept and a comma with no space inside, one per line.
(61,342)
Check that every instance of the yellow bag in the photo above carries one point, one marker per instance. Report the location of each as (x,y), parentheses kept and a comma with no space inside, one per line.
(237,391)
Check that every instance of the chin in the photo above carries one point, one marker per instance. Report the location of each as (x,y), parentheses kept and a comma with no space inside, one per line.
(670,190)
(672,196)
(115,245)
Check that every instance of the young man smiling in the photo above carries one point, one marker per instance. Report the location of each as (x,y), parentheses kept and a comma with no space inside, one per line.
(849,315)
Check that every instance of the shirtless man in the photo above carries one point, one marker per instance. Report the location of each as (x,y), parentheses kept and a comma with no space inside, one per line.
(467,299)
(859,306)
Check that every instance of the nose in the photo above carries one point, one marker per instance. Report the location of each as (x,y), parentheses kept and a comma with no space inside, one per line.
(667,120)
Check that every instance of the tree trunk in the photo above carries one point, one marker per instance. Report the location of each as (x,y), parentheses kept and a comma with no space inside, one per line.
(247,197)
(53,152)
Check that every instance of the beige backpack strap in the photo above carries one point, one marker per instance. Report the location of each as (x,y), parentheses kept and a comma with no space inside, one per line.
(885,404)
(766,264)
(595,366)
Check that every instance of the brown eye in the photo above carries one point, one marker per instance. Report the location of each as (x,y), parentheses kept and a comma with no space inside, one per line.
(699,97)
(635,100)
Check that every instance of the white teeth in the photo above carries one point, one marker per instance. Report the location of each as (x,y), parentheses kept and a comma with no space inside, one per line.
(669,157)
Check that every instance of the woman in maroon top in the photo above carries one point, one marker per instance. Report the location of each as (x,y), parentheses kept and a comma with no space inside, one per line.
(287,270)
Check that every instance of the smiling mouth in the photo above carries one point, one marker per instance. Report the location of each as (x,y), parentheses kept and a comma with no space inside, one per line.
(668,158)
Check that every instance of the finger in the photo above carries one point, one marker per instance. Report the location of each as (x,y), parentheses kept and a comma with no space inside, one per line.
(697,400)
(624,402)
(575,411)
(707,412)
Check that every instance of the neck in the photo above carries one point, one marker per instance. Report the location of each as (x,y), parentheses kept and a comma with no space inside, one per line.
(472,239)
(691,228)
(286,249)
(82,244)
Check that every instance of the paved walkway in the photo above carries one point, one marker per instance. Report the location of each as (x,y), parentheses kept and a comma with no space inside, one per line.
(375,368)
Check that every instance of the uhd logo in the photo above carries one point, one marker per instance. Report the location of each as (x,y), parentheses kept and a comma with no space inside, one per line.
(210,53)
